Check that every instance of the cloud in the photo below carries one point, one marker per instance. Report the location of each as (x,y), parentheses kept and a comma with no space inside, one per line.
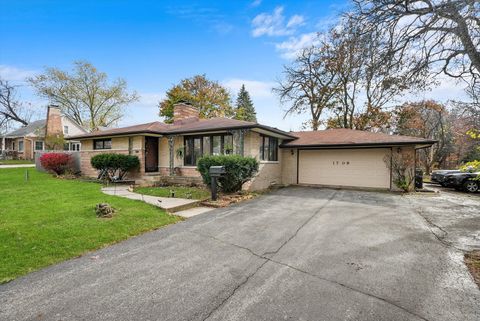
(274,24)
(291,47)
(257,89)
(203,16)
(295,20)
(11,73)
(255,3)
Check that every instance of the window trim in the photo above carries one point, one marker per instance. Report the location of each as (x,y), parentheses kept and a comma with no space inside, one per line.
(43,145)
(103,140)
(21,143)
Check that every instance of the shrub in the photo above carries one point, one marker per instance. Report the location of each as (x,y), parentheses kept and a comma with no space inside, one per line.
(473,166)
(114,166)
(58,163)
(238,170)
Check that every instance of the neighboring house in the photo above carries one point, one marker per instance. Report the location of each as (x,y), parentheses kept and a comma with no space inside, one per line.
(26,141)
(334,157)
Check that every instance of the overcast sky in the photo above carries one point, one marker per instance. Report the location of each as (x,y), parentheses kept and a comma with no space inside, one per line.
(154,44)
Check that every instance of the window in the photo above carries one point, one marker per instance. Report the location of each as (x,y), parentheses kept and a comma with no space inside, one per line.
(102,143)
(20,145)
(198,146)
(65,129)
(269,149)
(38,145)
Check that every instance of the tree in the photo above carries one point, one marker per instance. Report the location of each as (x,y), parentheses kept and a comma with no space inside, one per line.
(442,36)
(11,108)
(426,119)
(244,109)
(85,95)
(212,99)
(368,81)
(310,84)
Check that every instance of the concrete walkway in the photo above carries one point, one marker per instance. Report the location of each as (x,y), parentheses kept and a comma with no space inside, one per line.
(17,165)
(180,206)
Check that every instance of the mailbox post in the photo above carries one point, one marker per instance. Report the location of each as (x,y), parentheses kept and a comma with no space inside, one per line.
(215,172)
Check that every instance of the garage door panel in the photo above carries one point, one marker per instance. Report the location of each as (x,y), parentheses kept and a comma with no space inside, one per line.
(350,167)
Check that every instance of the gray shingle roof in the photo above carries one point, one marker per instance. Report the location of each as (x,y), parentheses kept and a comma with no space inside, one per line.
(38,125)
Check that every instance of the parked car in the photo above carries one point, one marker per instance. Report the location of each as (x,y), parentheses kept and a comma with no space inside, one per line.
(440,176)
(464,181)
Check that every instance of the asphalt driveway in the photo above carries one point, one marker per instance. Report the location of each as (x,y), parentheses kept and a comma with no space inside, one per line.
(295,254)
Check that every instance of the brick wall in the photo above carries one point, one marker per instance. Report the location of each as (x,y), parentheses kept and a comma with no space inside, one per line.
(182,111)
(54,126)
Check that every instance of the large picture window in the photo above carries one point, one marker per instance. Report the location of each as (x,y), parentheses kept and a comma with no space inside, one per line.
(269,149)
(102,143)
(198,146)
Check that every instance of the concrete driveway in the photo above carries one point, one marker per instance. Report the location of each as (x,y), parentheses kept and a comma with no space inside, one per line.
(295,254)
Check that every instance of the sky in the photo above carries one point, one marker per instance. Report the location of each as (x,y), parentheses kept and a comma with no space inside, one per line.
(155,44)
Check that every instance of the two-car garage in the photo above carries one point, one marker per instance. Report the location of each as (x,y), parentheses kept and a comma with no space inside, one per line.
(349,158)
(365,167)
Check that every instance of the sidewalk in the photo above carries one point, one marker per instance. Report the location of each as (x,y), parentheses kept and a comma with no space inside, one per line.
(180,206)
(17,165)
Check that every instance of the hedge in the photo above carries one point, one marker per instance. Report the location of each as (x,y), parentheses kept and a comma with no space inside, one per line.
(238,169)
(114,166)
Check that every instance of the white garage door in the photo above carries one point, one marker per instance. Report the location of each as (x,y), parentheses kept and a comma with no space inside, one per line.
(344,167)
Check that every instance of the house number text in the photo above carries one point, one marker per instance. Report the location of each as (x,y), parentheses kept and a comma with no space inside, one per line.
(341,162)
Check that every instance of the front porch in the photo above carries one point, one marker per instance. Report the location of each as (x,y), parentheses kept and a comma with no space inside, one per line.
(173,158)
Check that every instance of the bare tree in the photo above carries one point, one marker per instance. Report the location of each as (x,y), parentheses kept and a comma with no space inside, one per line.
(85,95)
(431,35)
(11,108)
(426,119)
(310,84)
(370,82)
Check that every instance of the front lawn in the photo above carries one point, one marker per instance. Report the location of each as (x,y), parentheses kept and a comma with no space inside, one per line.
(180,192)
(15,162)
(46,220)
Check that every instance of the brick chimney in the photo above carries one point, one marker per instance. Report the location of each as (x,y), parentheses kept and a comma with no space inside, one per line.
(54,121)
(184,113)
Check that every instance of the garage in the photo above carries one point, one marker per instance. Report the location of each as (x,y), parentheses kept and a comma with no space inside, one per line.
(350,158)
(344,167)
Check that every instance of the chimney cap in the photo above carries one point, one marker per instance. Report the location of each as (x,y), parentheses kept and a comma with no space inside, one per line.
(183,102)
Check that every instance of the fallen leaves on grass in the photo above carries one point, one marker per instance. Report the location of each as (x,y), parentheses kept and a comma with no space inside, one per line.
(472,260)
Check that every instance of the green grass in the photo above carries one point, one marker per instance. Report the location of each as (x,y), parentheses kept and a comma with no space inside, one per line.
(47,220)
(180,191)
(15,162)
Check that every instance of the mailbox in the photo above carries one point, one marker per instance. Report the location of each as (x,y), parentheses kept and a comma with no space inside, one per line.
(215,172)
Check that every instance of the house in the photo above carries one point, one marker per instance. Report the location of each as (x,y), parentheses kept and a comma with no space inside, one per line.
(333,157)
(26,141)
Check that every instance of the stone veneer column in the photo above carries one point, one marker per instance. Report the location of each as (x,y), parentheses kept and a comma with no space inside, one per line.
(171,142)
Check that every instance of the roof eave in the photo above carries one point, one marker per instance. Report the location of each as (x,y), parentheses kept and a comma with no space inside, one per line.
(189,131)
(425,144)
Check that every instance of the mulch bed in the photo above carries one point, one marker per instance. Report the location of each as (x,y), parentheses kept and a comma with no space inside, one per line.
(225,200)
(472,260)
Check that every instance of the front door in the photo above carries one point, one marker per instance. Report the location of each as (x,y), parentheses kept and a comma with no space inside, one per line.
(151,154)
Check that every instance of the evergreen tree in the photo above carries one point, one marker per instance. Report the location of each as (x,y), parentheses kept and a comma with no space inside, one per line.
(244,109)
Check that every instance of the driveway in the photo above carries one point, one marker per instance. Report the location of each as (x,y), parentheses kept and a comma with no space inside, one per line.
(294,254)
